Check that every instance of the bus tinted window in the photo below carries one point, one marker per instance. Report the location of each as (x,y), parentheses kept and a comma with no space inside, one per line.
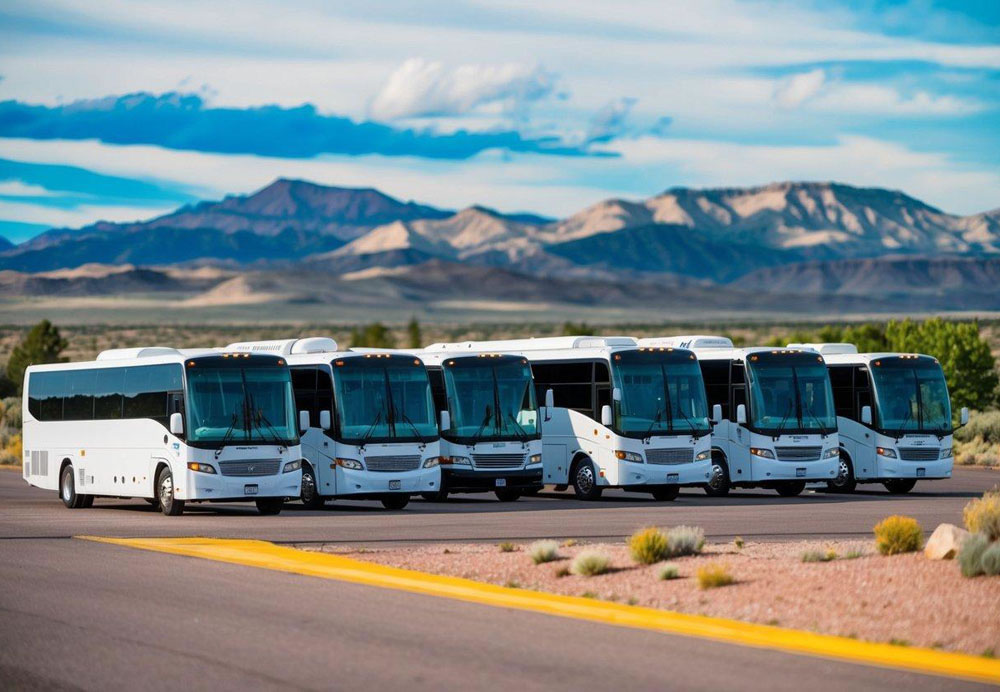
(146,390)
(109,390)
(78,403)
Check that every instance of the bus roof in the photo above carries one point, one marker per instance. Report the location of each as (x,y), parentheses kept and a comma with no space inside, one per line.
(557,347)
(716,347)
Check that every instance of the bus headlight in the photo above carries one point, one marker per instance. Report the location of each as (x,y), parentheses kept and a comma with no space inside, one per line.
(431,462)
(457,461)
(352,464)
(762,452)
(634,457)
(200,468)
(535,459)
(886,452)
(831,453)
(703,456)
(292,466)
(946,452)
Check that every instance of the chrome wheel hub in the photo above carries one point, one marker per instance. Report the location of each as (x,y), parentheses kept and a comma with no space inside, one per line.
(585,478)
(842,474)
(166,491)
(308,486)
(66,492)
(716,481)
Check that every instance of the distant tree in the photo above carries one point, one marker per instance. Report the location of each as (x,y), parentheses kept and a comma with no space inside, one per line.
(374,335)
(42,344)
(413,336)
(575,329)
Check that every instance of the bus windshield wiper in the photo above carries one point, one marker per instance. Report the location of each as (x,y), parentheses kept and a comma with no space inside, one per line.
(372,426)
(809,412)
(406,419)
(524,433)
(225,438)
(902,426)
(482,426)
(657,419)
(781,425)
(261,420)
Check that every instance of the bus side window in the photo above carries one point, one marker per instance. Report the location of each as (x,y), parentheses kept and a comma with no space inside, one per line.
(862,391)
(572,384)
(436,377)
(716,376)
(109,393)
(842,381)
(304,388)
(324,397)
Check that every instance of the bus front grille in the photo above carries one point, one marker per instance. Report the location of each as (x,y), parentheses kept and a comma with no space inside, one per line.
(251,467)
(798,453)
(388,464)
(671,455)
(498,461)
(918,453)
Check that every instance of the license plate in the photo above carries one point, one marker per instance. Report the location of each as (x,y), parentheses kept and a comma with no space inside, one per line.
(250,489)
(395,485)
(921,473)
(673,477)
(800,473)
(501,482)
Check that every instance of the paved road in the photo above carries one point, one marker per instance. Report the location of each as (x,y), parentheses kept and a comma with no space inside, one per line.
(82,615)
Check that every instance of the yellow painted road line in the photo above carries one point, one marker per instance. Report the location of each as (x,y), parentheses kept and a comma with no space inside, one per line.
(324,565)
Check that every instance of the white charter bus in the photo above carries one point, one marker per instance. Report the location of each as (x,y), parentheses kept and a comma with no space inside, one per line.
(893,415)
(615,415)
(778,428)
(372,432)
(167,425)
(491,437)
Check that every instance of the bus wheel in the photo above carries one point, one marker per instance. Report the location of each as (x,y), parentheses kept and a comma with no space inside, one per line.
(844,482)
(718,485)
(165,491)
(310,493)
(395,501)
(507,495)
(899,486)
(269,506)
(666,493)
(439,496)
(790,488)
(531,491)
(585,480)
(153,502)
(560,487)
(88,501)
(67,489)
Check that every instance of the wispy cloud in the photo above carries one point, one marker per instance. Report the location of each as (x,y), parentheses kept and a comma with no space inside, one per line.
(611,120)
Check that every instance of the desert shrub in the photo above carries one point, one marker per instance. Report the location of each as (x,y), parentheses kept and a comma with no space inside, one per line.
(507,547)
(590,563)
(983,516)
(648,545)
(819,556)
(713,576)
(570,542)
(738,542)
(11,417)
(669,571)
(990,560)
(685,540)
(543,551)
(898,534)
(13,450)
(978,443)
(971,553)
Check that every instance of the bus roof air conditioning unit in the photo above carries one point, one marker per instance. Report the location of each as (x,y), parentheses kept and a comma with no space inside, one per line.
(827,349)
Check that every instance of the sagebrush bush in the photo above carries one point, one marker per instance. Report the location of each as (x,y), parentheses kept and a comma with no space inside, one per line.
(819,556)
(543,551)
(898,534)
(970,555)
(685,540)
(648,545)
(11,417)
(989,561)
(507,547)
(983,516)
(713,576)
(978,443)
(12,451)
(590,563)
(669,571)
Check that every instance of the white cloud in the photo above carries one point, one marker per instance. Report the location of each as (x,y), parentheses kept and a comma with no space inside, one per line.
(793,91)
(16,188)
(419,88)
(874,99)
(611,119)
(27,212)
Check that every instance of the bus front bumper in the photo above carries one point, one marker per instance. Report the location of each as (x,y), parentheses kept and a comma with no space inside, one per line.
(765,470)
(351,482)
(465,480)
(215,487)
(894,468)
(694,473)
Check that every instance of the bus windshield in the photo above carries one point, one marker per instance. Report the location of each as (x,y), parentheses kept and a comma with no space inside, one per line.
(790,392)
(490,399)
(383,398)
(662,393)
(240,404)
(911,395)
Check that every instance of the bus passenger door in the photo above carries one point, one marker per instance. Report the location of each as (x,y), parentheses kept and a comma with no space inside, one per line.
(740,464)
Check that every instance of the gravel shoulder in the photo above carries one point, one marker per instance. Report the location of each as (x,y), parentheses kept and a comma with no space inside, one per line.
(905,599)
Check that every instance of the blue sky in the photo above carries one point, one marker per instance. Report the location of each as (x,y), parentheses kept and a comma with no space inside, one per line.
(123,110)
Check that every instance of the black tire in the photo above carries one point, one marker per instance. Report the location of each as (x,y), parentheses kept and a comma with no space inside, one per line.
(88,501)
(584,479)
(560,487)
(845,481)
(666,493)
(269,506)
(899,486)
(169,505)
(153,502)
(310,491)
(67,489)
(507,494)
(531,491)
(790,488)
(439,496)
(395,501)
(719,485)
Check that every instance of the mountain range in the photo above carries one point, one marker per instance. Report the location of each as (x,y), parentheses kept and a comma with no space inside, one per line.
(783,239)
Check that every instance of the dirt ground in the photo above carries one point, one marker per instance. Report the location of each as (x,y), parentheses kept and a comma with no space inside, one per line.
(905,599)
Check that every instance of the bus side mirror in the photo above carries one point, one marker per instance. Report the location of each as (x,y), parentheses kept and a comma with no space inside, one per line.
(741,414)
(445,421)
(176,424)
(616,394)
(606,416)
(550,398)
(324,420)
(866,415)
(964,416)
(717,413)
(303,421)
